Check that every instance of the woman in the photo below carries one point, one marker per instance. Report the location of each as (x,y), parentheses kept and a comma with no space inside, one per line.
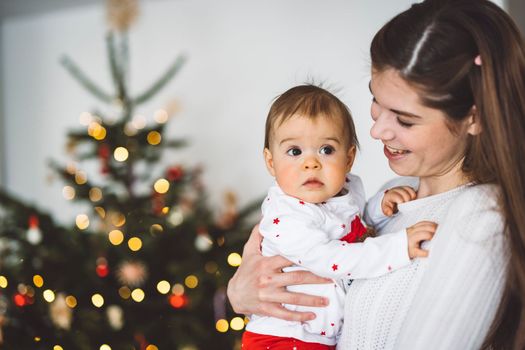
(448,86)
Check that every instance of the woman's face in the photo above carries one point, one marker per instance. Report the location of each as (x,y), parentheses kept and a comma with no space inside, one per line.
(416,138)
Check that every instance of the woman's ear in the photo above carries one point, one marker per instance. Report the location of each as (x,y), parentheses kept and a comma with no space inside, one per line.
(350,158)
(268,159)
(473,123)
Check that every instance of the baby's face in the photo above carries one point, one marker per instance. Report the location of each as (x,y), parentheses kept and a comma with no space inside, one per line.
(309,157)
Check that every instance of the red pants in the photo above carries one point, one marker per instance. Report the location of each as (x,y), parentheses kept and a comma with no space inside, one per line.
(254,341)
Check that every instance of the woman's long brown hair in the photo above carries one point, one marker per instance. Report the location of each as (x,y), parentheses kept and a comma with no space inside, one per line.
(434,45)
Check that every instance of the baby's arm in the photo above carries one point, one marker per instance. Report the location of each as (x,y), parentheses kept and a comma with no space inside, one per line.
(296,234)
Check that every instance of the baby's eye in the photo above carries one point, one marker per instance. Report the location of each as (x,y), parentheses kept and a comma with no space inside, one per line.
(327,150)
(294,152)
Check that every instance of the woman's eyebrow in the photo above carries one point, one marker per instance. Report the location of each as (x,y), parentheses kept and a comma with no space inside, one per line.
(404,113)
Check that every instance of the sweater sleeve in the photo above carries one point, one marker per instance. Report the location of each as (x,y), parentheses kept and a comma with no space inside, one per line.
(454,305)
(293,229)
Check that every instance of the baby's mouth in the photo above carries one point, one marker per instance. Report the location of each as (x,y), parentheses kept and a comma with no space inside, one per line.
(396,150)
(312,182)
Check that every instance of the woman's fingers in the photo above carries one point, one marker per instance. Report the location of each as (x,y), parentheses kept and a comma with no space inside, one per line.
(298,277)
(277,310)
(292,298)
(253,244)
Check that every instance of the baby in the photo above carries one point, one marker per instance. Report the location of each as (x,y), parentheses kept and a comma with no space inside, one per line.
(311,216)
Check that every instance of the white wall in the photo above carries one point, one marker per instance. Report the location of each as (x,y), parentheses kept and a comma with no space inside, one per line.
(241,55)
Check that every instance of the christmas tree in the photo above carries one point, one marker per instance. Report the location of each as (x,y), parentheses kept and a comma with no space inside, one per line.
(146,267)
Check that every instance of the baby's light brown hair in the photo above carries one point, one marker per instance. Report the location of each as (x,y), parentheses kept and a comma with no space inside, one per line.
(312,102)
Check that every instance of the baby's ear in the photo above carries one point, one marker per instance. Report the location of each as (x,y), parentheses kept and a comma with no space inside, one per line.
(350,158)
(268,159)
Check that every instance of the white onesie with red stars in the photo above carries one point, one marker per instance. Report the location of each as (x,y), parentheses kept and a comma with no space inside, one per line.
(315,237)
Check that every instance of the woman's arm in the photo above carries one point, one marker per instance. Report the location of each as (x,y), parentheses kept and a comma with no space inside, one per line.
(259,285)
(460,291)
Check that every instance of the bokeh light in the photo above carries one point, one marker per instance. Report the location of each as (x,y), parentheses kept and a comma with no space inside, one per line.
(116,237)
(71,301)
(3,282)
(124,292)
(161,116)
(120,154)
(137,295)
(161,186)
(163,287)
(38,281)
(68,192)
(95,194)
(234,259)
(191,281)
(154,138)
(82,221)
(222,325)
(97,300)
(49,295)
(237,323)
(134,244)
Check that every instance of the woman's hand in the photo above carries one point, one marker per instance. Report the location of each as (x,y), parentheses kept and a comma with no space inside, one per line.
(259,285)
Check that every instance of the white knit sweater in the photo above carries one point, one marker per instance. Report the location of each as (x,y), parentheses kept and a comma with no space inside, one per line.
(445,301)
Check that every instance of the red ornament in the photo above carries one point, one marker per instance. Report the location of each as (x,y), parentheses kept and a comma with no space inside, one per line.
(175,173)
(19,300)
(102,270)
(103,154)
(178,301)
(33,221)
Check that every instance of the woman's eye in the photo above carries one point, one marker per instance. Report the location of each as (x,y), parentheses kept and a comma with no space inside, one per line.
(403,123)
(327,150)
(294,152)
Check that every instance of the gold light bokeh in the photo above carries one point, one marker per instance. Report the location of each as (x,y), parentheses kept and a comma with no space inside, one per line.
(117,219)
(151,347)
(38,281)
(161,186)
(137,295)
(161,116)
(124,292)
(3,282)
(97,300)
(49,295)
(68,192)
(191,281)
(105,347)
(80,177)
(237,323)
(222,325)
(211,267)
(177,289)
(163,287)
(58,347)
(99,133)
(139,122)
(156,229)
(234,259)
(154,138)
(120,154)
(71,301)
(116,237)
(134,244)
(95,194)
(101,212)
(82,221)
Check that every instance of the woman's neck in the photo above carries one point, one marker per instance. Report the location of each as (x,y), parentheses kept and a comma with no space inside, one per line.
(432,185)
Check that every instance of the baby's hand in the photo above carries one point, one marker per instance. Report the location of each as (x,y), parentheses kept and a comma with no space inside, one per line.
(416,234)
(395,196)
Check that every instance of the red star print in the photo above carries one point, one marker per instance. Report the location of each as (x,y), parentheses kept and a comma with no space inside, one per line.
(343,226)
(276,235)
(323,333)
(335,267)
(389,268)
(301,202)
(332,324)
(276,221)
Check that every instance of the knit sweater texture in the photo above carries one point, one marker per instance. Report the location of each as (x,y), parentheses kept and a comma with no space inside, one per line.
(445,301)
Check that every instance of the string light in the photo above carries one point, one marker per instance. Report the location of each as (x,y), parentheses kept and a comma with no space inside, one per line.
(151,347)
(99,133)
(38,281)
(71,301)
(124,292)
(105,347)
(139,122)
(120,154)
(161,116)
(234,259)
(97,300)
(154,138)
(222,325)
(156,229)
(163,287)
(82,221)
(58,347)
(49,295)
(80,177)
(68,192)
(3,282)
(237,323)
(177,289)
(95,194)
(116,237)
(138,295)
(134,244)
(191,281)
(117,219)
(178,301)
(161,186)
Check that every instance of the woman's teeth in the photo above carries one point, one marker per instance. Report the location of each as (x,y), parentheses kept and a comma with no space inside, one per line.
(395,150)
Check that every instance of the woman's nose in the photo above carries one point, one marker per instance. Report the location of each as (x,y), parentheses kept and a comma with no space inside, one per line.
(382,128)
(311,163)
